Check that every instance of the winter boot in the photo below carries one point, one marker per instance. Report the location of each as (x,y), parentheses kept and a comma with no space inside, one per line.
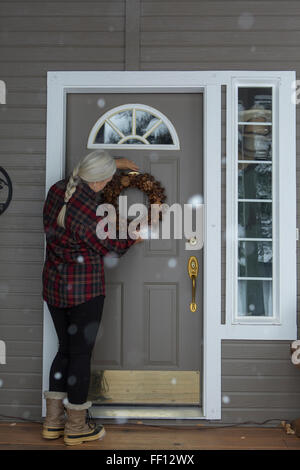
(79,428)
(54,423)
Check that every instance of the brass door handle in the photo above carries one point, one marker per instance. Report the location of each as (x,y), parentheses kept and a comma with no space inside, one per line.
(193,273)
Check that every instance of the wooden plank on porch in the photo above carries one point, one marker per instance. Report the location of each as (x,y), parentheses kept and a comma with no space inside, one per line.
(17,436)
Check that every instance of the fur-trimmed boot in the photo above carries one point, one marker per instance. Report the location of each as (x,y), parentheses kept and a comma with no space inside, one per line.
(54,423)
(79,428)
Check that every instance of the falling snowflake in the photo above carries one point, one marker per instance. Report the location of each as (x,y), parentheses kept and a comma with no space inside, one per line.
(153,156)
(101,102)
(172,263)
(110,261)
(121,420)
(72,380)
(72,329)
(195,200)
(225,399)
(246,20)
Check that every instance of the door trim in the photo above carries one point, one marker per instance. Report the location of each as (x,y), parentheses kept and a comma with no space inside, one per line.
(59,84)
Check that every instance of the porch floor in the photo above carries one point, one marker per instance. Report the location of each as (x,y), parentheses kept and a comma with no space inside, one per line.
(19,436)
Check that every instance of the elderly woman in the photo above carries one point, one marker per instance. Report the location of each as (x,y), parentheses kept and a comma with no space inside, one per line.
(74,289)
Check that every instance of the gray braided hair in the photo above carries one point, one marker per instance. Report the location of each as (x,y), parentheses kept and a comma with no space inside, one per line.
(95,166)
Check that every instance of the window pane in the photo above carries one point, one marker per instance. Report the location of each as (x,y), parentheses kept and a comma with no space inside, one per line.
(255,104)
(255,259)
(144,121)
(255,181)
(255,298)
(160,135)
(107,135)
(123,121)
(255,142)
(133,141)
(255,219)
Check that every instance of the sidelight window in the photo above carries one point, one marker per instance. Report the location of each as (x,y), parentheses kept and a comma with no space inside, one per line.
(255,202)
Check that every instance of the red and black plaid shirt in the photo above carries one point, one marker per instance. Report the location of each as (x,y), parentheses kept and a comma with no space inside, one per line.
(74,269)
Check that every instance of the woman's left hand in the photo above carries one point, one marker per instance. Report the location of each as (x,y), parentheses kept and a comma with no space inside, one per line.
(126,164)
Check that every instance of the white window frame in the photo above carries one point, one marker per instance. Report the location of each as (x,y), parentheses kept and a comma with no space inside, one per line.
(209,83)
(275,318)
(59,84)
(283,324)
(146,145)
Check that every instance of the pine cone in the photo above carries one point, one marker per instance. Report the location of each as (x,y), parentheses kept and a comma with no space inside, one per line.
(148,185)
(125,181)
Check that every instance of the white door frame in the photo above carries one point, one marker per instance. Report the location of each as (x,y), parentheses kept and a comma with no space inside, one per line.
(208,83)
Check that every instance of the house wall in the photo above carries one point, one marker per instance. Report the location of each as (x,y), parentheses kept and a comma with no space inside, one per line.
(258,379)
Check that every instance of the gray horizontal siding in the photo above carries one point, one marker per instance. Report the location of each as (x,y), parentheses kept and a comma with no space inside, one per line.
(10,223)
(240,53)
(20,301)
(19,332)
(21,239)
(38,39)
(54,9)
(226,23)
(22,254)
(19,364)
(214,39)
(258,379)
(41,68)
(19,285)
(26,380)
(56,54)
(216,8)
(24,316)
(12,269)
(63,24)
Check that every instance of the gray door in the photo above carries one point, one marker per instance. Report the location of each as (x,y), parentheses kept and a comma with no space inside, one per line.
(147,324)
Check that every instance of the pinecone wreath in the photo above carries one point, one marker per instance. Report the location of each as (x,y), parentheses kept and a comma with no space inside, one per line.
(142,181)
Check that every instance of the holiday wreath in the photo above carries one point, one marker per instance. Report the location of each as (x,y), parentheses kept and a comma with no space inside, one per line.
(142,181)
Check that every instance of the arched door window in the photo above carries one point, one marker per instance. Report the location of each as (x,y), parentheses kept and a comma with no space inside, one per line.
(131,126)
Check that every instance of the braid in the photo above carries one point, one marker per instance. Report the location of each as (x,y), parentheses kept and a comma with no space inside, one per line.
(71,186)
(70,190)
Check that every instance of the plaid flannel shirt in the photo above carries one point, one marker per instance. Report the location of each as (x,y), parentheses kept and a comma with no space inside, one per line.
(74,269)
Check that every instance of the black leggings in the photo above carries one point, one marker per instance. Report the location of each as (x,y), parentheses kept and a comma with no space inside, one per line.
(76,328)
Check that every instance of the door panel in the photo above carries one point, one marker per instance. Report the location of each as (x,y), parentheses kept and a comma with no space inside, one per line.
(147,323)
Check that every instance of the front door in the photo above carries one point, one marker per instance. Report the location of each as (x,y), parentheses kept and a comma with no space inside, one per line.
(149,344)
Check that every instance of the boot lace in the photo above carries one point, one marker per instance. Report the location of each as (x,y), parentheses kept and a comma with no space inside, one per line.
(89,420)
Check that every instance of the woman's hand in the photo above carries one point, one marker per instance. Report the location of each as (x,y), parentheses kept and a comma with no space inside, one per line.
(126,164)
